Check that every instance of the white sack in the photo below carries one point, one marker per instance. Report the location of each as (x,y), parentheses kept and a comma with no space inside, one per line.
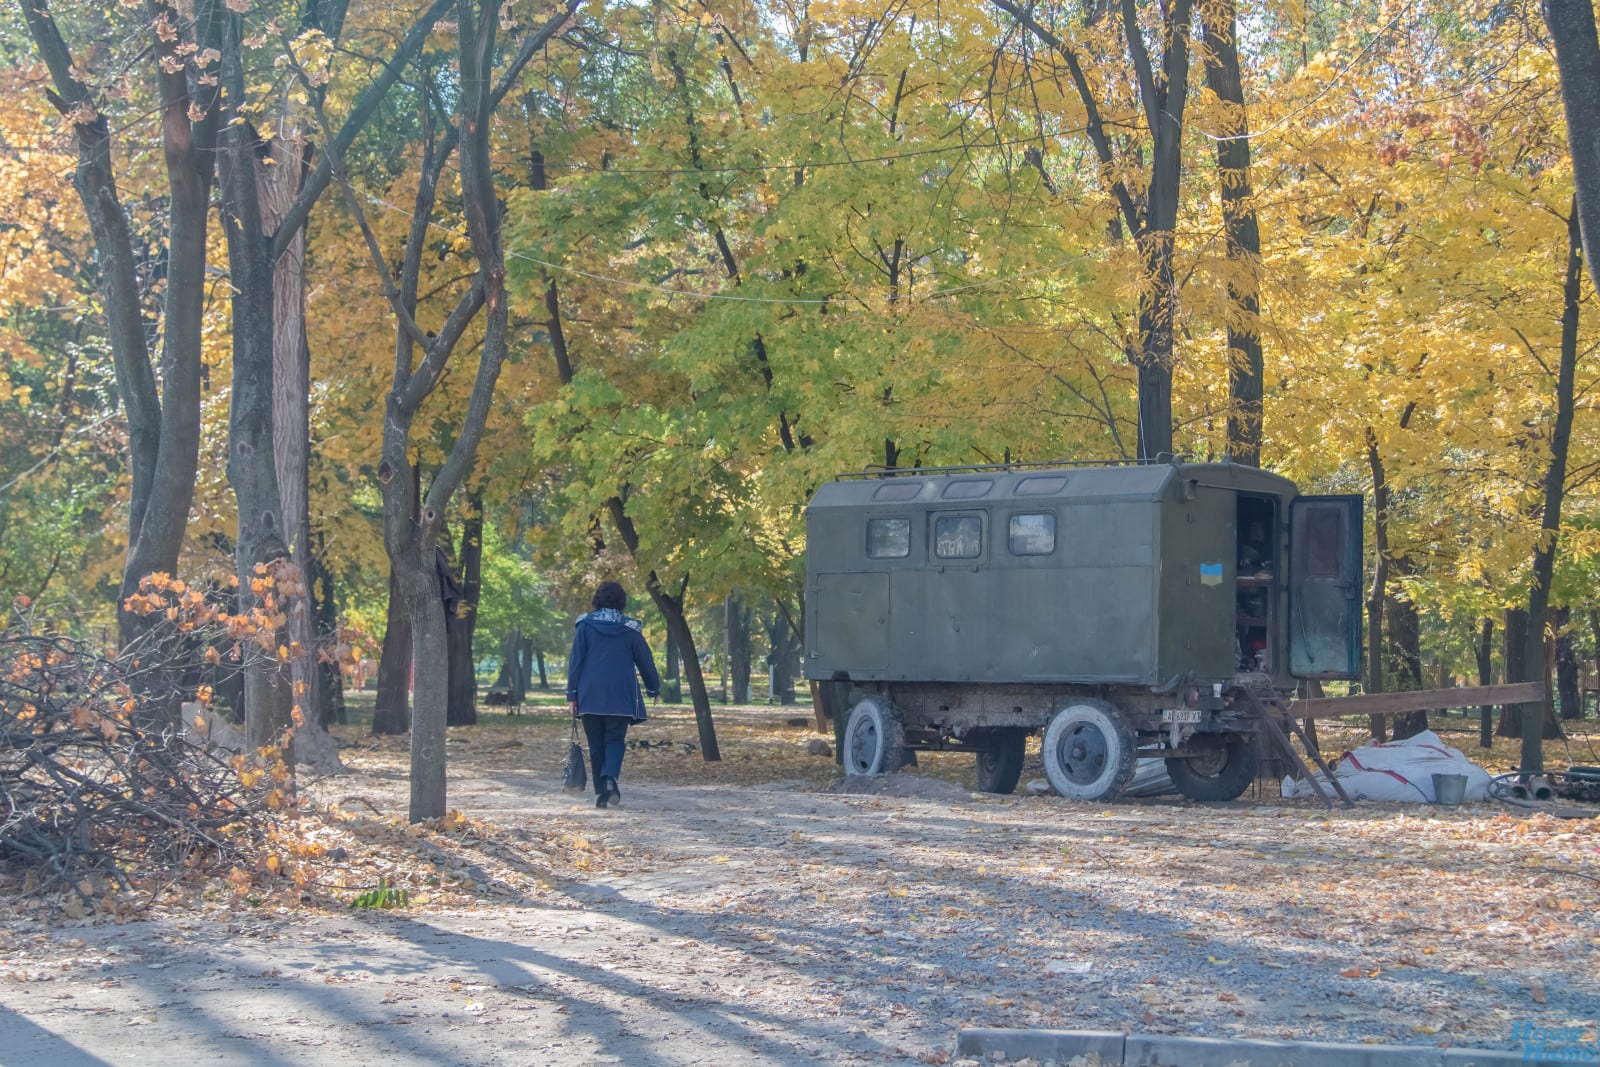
(1399,770)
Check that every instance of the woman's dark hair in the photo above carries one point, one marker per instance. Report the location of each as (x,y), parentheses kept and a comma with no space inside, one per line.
(610,595)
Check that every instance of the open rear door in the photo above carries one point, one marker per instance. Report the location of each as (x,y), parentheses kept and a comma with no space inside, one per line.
(1325,587)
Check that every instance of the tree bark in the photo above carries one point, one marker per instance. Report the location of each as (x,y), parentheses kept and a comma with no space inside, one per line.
(737,619)
(330,670)
(463,709)
(251,468)
(392,708)
(1404,646)
(671,608)
(1537,722)
(513,676)
(1572,29)
(1567,666)
(1246,369)
(1484,652)
(1377,593)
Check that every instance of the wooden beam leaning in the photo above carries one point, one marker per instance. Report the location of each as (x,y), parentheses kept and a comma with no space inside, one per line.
(1417,700)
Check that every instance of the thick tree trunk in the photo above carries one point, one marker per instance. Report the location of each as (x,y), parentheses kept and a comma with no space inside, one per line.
(330,669)
(291,387)
(737,620)
(782,645)
(391,712)
(278,187)
(1404,647)
(1572,29)
(1245,364)
(1514,651)
(419,590)
(528,651)
(1567,669)
(1484,652)
(252,472)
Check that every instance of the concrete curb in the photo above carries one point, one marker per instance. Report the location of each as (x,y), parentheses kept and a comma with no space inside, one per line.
(1099,1048)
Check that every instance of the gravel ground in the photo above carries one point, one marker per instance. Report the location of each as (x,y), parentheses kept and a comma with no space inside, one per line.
(786,923)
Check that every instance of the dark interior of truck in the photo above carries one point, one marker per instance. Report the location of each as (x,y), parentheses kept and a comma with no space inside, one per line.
(1258,570)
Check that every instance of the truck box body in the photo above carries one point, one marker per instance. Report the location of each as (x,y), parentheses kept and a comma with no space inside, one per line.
(1125,575)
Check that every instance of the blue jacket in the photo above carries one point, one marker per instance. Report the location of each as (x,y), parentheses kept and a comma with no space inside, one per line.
(607,647)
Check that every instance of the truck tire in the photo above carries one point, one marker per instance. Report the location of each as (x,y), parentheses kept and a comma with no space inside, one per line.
(1222,772)
(1088,750)
(1000,759)
(874,739)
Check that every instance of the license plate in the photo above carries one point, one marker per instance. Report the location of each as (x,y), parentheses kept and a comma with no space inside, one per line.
(1180,715)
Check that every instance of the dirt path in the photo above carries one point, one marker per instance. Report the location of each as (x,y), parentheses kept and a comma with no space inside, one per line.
(776,923)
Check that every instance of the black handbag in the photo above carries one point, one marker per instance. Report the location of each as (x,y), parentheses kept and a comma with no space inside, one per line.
(574,777)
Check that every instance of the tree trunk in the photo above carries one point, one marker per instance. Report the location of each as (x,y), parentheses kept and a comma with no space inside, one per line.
(671,608)
(672,673)
(737,619)
(1404,647)
(513,677)
(1245,363)
(1377,593)
(1514,650)
(330,669)
(252,472)
(1567,666)
(391,712)
(463,710)
(538,655)
(1572,29)
(1537,721)
(782,643)
(1151,217)
(1484,652)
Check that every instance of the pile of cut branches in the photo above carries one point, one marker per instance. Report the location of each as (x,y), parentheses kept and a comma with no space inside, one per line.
(99,797)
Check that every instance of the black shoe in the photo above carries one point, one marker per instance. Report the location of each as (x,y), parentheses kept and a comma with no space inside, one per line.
(616,794)
(602,795)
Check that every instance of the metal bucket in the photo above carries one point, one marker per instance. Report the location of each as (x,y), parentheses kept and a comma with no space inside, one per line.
(1449,789)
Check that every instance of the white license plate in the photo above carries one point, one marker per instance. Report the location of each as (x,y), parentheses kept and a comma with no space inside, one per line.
(1180,715)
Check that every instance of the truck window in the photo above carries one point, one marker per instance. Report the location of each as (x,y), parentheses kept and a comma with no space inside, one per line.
(1032,535)
(968,490)
(958,537)
(888,538)
(1044,485)
(897,492)
(1323,550)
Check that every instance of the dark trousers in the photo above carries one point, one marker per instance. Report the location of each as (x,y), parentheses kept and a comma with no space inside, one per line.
(606,733)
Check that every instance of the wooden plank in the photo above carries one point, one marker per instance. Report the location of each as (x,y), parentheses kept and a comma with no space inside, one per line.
(1418,700)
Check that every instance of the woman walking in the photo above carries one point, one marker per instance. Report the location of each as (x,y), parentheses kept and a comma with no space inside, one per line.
(607,649)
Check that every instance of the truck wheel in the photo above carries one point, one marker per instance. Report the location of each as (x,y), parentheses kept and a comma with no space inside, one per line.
(1222,769)
(874,740)
(1088,751)
(1000,759)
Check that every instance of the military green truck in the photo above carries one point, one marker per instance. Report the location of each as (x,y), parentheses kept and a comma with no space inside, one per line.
(1127,611)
